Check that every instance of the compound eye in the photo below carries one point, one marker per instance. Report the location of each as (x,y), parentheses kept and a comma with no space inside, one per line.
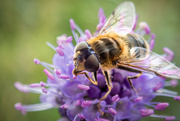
(80,46)
(92,63)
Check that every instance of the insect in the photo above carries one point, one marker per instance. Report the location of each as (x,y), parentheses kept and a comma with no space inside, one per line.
(116,47)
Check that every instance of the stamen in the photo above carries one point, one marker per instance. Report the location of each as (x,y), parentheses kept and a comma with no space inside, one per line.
(43,84)
(170,118)
(83,87)
(101,13)
(35,90)
(170,53)
(88,33)
(167,118)
(145,27)
(152,42)
(112,111)
(81,39)
(47,66)
(36,61)
(99,26)
(49,74)
(19,107)
(174,83)
(161,106)
(44,90)
(138,99)
(102,19)
(168,95)
(158,86)
(79,30)
(86,103)
(59,51)
(72,24)
(52,46)
(65,106)
(135,22)
(177,98)
(116,98)
(55,93)
(81,116)
(21,87)
(69,39)
(146,112)
(57,71)
(78,102)
(75,36)
(35,85)
(167,91)
(150,104)
(153,36)
(73,27)
(61,39)
(63,76)
(101,16)
(39,107)
(142,33)
(34,107)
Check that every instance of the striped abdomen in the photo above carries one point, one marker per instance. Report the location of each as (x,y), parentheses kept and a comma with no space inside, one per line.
(134,40)
(107,49)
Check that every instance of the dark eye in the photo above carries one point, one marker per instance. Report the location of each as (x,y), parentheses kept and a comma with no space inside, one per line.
(92,63)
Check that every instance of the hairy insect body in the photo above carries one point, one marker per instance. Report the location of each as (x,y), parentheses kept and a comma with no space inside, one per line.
(108,48)
(112,47)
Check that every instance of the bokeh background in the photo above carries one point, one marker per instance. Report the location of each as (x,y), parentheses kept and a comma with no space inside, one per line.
(26,26)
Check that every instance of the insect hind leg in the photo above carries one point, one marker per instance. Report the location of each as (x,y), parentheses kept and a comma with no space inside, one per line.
(130,81)
(131,77)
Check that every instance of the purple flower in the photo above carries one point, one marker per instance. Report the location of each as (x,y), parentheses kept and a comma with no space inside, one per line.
(76,98)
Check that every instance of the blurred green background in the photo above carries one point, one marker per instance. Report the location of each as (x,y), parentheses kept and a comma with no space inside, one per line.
(26,26)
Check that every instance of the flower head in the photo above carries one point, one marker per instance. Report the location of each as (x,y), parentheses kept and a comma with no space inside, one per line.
(76,98)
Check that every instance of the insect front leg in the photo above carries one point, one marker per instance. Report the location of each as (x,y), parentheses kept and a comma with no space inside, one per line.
(109,85)
(95,76)
(92,81)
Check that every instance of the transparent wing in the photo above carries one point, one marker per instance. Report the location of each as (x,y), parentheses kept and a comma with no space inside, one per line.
(147,60)
(121,21)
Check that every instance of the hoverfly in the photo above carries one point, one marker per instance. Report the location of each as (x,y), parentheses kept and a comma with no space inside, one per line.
(116,47)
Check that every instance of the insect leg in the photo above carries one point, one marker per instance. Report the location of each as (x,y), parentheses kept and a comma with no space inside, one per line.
(92,81)
(109,85)
(131,77)
(95,76)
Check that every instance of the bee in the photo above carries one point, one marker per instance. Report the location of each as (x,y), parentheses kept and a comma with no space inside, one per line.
(116,47)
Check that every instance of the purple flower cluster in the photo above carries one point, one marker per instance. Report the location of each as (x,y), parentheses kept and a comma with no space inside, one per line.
(76,98)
